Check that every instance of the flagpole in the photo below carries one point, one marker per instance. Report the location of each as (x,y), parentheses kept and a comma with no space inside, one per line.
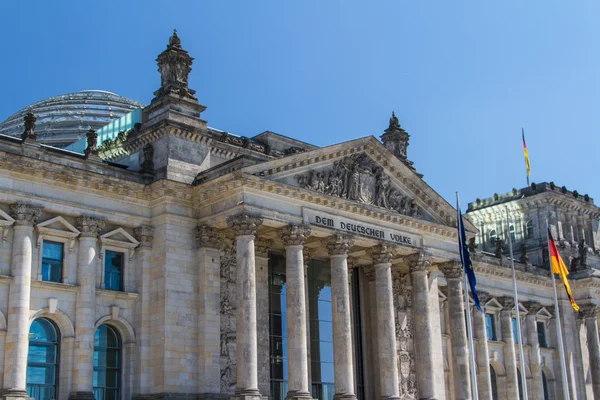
(514,279)
(468,311)
(561,350)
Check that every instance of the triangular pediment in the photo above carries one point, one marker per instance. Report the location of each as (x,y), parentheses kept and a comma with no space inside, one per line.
(544,314)
(362,171)
(59,226)
(119,237)
(493,305)
(5,219)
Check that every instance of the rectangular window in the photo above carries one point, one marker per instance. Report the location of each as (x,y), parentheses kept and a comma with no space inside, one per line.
(514,329)
(52,261)
(490,327)
(541,331)
(113,270)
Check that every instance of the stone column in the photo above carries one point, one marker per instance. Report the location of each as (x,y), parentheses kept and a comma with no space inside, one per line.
(338,247)
(427,331)
(386,324)
(262,246)
(458,331)
(17,335)
(590,314)
(293,237)
(535,358)
(307,257)
(245,227)
(85,312)
(484,383)
(208,257)
(510,358)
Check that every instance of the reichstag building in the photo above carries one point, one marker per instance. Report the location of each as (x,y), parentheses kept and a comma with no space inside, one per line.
(178,261)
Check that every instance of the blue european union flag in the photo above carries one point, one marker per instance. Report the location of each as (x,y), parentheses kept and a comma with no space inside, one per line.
(465,257)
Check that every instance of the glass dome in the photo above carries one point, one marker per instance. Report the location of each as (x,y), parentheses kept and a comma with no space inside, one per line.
(64,119)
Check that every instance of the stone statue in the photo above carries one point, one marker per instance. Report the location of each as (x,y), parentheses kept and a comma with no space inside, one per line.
(394,121)
(499,252)
(582,250)
(29,134)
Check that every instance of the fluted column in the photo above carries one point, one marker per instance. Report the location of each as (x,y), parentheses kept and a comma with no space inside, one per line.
(338,247)
(17,335)
(85,313)
(510,358)
(293,237)
(535,358)
(386,325)
(590,314)
(484,383)
(245,227)
(458,332)
(427,331)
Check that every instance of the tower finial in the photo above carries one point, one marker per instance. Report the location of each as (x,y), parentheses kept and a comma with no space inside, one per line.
(174,40)
(394,121)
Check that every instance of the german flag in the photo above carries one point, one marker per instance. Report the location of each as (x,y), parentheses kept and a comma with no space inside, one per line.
(526,153)
(559,267)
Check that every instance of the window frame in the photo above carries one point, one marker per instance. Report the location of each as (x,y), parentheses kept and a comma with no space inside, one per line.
(114,250)
(493,237)
(492,316)
(127,248)
(66,237)
(121,362)
(57,358)
(62,260)
(528,225)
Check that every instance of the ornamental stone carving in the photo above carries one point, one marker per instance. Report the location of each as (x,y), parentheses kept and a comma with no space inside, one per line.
(90,226)
(25,214)
(533,306)
(208,237)
(339,244)
(144,234)
(244,224)
(508,303)
(175,65)
(228,308)
(29,134)
(419,262)
(588,311)
(295,235)
(382,254)
(358,177)
(484,297)
(262,247)
(451,269)
(369,271)
(91,151)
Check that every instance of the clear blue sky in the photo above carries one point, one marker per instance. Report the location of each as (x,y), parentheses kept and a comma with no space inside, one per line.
(462,76)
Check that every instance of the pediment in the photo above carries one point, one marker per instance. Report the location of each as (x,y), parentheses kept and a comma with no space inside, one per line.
(5,219)
(493,305)
(362,171)
(57,226)
(544,314)
(119,237)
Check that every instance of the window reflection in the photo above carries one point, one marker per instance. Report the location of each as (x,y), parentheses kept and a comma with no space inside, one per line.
(107,363)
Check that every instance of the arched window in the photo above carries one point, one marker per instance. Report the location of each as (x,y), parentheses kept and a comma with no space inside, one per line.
(529,229)
(42,360)
(545,385)
(107,363)
(493,237)
(494,384)
(513,236)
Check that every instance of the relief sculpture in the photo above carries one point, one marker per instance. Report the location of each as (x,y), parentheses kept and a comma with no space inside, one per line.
(402,288)
(228,309)
(359,178)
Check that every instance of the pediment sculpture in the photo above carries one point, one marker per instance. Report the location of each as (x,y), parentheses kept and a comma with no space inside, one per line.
(358,177)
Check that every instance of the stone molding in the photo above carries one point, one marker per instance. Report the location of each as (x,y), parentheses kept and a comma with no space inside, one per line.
(25,214)
(295,235)
(382,254)
(145,235)
(588,311)
(90,226)
(452,269)
(339,244)
(507,303)
(419,262)
(244,224)
(207,236)
(262,247)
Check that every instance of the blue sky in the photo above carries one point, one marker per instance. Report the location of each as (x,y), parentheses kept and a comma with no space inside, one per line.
(462,76)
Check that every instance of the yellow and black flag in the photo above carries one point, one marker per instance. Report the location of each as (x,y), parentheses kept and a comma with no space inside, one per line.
(526,155)
(558,267)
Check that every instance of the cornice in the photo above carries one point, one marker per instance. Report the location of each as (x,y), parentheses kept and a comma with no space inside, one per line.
(498,271)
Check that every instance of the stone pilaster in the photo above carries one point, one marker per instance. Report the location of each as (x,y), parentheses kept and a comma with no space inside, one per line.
(458,332)
(386,324)
(293,237)
(145,235)
(17,335)
(590,314)
(208,256)
(338,246)
(535,357)
(245,227)
(510,358)
(484,384)
(85,314)
(427,329)
(262,248)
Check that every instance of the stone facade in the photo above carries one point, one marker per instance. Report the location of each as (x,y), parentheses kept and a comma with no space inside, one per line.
(197,215)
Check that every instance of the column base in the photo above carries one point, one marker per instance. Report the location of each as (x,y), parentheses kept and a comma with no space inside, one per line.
(14,394)
(298,396)
(251,394)
(344,396)
(82,396)
(390,397)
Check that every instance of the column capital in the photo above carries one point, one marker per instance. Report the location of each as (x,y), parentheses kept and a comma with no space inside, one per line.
(588,311)
(451,269)
(262,247)
(508,303)
(484,297)
(90,226)
(339,244)
(295,235)
(207,236)
(144,234)
(25,214)
(382,254)
(533,307)
(419,262)
(244,224)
